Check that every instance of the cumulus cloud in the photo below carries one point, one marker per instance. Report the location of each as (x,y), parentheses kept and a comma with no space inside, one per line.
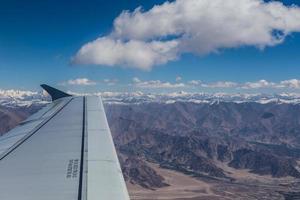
(134,53)
(259,84)
(285,84)
(79,81)
(178,78)
(155,84)
(110,82)
(142,39)
(220,84)
(194,82)
(292,83)
(136,80)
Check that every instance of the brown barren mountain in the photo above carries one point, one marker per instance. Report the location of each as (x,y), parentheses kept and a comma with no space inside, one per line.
(202,151)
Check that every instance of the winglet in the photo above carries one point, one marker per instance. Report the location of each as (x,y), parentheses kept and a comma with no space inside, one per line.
(54,93)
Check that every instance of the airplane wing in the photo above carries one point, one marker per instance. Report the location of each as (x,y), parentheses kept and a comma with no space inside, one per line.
(63,152)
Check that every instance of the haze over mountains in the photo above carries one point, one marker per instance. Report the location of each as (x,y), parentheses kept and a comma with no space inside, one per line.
(197,146)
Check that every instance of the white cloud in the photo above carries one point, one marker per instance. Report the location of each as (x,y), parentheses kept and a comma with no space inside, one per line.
(292,83)
(178,78)
(79,81)
(288,84)
(132,54)
(136,80)
(259,84)
(194,82)
(155,84)
(152,84)
(142,39)
(110,82)
(220,84)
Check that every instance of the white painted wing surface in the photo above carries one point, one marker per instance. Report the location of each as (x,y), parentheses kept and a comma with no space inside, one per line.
(63,152)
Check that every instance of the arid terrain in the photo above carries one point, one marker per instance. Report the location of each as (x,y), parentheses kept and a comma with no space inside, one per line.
(202,151)
(247,186)
(208,151)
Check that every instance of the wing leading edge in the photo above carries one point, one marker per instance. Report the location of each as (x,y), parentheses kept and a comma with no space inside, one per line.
(63,152)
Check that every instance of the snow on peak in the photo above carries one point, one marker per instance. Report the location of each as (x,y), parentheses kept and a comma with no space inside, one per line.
(14,98)
(26,98)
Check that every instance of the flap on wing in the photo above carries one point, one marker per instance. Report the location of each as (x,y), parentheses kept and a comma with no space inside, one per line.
(54,93)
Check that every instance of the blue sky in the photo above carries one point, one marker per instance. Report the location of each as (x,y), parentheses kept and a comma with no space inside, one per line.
(39,39)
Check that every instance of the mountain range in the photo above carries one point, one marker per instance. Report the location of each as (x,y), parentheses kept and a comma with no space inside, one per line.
(233,146)
(26,98)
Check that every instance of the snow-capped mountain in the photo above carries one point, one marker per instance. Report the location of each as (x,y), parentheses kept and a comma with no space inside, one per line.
(12,98)
(139,97)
